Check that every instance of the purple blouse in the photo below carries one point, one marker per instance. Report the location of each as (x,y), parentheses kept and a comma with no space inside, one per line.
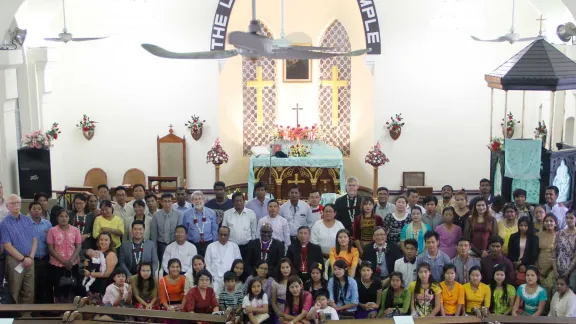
(448,239)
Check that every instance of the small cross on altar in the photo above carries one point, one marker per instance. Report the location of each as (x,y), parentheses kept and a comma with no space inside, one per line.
(171,130)
(297,117)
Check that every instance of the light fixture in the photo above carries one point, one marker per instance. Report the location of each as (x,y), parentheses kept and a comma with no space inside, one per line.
(566,31)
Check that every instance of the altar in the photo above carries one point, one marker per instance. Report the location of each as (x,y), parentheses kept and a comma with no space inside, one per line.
(323,170)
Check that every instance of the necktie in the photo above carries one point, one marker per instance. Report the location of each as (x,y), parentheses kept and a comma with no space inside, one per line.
(167,229)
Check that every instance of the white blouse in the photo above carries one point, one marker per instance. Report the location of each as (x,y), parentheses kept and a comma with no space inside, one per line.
(324,236)
(565,306)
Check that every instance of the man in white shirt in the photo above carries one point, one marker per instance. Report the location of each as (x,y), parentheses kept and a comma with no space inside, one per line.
(297,212)
(121,208)
(139,193)
(413,200)
(241,221)
(181,204)
(281,231)
(314,202)
(180,249)
(3,209)
(407,264)
(551,195)
(220,255)
(384,207)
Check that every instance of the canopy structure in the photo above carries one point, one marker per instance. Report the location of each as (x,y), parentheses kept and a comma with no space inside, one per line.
(538,67)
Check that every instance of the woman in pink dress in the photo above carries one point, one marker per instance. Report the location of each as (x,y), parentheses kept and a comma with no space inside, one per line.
(448,232)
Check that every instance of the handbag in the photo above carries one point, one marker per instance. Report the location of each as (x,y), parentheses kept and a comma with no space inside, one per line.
(67,282)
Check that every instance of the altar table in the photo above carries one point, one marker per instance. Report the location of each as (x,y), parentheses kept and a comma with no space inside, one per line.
(323,170)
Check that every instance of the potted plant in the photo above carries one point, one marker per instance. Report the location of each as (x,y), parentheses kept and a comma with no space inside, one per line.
(508,125)
(87,126)
(496,144)
(195,126)
(395,126)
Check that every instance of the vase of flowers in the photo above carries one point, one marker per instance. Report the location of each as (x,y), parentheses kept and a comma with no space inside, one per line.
(195,126)
(298,150)
(376,158)
(508,124)
(496,144)
(87,127)
(216,155)
(541,132)
(37,140)
(394,126)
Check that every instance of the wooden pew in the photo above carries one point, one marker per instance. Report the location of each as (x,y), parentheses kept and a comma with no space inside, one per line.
(63,309)
(76,316)
(529,319)
(419,320)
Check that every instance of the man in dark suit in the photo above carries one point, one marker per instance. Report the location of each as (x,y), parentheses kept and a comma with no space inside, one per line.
(303,253)
(348,206)
(132,254)
(381,255)
(265,248)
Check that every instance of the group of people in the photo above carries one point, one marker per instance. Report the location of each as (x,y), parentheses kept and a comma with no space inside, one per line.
(296,261)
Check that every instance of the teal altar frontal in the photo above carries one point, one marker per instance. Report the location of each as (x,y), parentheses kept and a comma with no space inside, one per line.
(322,170)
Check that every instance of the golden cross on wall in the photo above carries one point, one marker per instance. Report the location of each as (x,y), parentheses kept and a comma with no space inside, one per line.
(297,110)
(296,181)
(259,84)
(335,84)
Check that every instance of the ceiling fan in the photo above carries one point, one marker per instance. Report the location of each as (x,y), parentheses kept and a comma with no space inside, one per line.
(65,36)
(511,37)
(254,44)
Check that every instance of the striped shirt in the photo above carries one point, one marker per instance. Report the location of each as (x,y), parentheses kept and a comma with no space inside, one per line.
(230,299)
(18,231)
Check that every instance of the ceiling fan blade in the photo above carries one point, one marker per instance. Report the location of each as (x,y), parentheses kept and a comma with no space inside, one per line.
(54,39)
(499,39)
(85,39)
(314,48)
(248,40)
(357,52)
(160,52)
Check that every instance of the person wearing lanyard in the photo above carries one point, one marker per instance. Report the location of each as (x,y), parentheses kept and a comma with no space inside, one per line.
(43,291)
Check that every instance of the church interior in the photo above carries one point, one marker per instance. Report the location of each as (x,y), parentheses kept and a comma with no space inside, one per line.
(425,67)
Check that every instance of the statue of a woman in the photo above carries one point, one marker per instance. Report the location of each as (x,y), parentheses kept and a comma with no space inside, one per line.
(562,181)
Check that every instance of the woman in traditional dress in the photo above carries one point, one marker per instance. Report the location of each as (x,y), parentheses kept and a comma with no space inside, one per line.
(395,221)
(364,224)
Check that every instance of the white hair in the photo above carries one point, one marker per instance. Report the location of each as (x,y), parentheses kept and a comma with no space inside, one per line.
(198,193)
(351,179)
(13,198)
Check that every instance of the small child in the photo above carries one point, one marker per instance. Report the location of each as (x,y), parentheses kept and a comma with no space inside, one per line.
(321,308)
(230,298)
(118,293)
(96,263)
(255,303)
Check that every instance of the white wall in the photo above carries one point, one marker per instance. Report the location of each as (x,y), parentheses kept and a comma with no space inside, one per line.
(133,95)
(433,73)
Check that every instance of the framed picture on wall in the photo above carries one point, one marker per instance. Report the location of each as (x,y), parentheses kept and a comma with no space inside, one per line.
(297,70)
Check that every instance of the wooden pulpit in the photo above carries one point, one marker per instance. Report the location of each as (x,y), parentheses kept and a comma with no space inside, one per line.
(171,160)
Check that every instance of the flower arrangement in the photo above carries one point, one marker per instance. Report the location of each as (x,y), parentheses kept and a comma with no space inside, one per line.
(299,150)
(509,123)
(295,133)
(376,157)
(395,124)
(217,155)
(86,125)
(195,125)
(53,132)
(496,144)
(541,131)
(37,139)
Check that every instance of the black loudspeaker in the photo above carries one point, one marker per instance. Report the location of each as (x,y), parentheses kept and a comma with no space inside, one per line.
(34,172)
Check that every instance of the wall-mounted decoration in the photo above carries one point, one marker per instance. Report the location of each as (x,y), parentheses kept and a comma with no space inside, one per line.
(195,126)
(297,70)
(87,127)
(394,126)
(508,125)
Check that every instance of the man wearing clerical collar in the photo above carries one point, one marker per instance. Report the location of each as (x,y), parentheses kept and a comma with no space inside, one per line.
(296,212)
(314,202)
(384,207)
(381,255)
(220,255)
(348,206)
(303,253)
(264,248)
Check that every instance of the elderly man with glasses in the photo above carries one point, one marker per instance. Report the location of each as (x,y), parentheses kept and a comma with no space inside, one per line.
(381,255)
(17,238)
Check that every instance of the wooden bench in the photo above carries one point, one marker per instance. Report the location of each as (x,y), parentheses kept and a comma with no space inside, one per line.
(419,320)
(64,309)
(76,316)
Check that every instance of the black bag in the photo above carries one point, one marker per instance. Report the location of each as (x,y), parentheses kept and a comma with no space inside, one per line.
(67,282)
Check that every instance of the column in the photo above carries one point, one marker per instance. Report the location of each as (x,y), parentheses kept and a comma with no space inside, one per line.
(9,62)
